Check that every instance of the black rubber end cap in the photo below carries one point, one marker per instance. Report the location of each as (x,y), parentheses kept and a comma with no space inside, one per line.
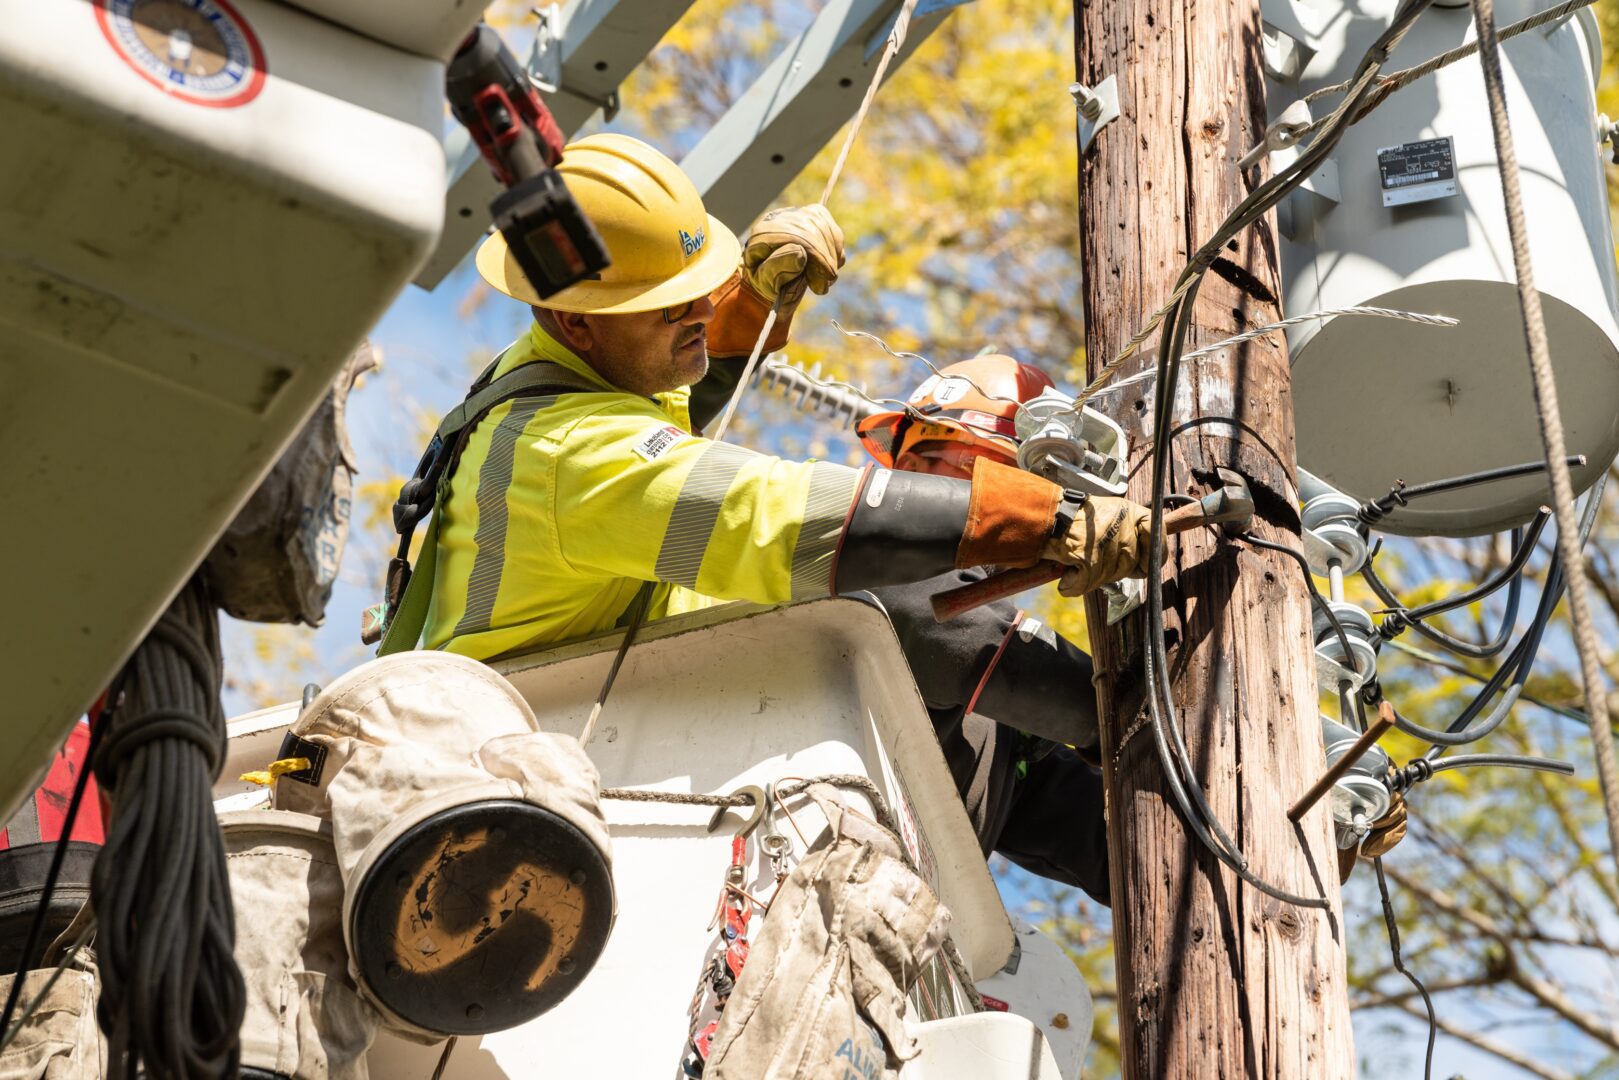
(481,917)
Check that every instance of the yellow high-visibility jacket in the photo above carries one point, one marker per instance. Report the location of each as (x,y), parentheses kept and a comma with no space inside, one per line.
(562,506)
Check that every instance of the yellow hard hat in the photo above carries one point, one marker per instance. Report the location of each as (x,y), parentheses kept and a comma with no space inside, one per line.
(666,248)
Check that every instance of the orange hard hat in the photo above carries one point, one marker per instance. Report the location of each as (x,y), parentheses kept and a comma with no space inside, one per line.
(975,400)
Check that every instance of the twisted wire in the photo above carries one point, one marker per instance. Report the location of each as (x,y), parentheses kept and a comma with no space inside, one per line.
(1097,384)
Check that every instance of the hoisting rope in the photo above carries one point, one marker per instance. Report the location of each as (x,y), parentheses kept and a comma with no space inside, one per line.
(1551,423)
(896,39)
(880,808)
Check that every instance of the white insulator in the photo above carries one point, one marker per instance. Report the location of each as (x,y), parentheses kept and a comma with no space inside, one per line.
(1335,668)
(1332,534)
(808,391)
(1360,796)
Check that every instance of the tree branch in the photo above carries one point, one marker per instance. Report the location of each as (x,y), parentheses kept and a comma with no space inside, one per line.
(1488,1045)
(1380,1001)
(1542,991)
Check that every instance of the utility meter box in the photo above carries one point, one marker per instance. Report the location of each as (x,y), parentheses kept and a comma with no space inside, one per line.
(1408,213)
(205,206)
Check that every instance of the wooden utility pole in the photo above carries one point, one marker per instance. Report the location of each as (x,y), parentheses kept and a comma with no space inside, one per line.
(1215,978)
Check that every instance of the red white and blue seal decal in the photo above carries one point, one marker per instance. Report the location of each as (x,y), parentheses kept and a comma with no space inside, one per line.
(200,51)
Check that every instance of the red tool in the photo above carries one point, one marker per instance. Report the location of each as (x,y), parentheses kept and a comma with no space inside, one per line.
(720,975)
(548,234)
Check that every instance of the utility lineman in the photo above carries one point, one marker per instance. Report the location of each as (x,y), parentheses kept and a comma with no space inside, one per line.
(1010,698)
(570,499)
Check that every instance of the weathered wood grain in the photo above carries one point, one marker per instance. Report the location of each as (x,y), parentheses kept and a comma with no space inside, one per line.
(1215,979)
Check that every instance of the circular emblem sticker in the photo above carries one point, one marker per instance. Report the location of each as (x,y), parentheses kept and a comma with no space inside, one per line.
(200,51)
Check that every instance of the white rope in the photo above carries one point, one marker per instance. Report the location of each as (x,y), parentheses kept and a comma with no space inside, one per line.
(1551,425)
(896,40)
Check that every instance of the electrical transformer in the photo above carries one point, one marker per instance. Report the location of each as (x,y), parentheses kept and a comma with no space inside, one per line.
(1408,214)
(205,205)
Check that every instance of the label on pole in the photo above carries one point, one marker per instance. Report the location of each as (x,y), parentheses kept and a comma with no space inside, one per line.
(1417,171)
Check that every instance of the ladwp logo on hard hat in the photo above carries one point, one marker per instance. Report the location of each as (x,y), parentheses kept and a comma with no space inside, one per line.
(690,244)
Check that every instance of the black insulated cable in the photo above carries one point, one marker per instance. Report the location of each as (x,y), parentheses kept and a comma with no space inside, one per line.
(1421,769)
(1401,617)
(1516,668)
(1373,511)
(1399,965)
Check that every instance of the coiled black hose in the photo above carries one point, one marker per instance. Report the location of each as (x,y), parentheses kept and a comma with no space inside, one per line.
(172,997)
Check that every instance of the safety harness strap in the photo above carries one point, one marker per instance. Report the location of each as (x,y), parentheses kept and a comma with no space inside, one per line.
(408,592)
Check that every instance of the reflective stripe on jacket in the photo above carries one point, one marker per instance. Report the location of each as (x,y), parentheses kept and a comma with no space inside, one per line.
(561,506)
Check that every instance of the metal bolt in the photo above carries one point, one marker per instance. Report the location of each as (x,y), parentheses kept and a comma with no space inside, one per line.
(474,1012)
(577,876)
(394,969)
(565,965)
(497,835)
(1089,105)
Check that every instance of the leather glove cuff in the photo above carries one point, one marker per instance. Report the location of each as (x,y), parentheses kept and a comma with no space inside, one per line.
(739,315)
(1009,517)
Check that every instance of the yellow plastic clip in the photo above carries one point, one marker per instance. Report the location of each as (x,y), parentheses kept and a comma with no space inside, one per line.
(277,768)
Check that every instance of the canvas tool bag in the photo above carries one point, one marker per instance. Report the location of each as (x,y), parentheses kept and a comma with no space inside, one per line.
(474,856)
(61,1040)
(277,560)
(822,996)
(304,1016)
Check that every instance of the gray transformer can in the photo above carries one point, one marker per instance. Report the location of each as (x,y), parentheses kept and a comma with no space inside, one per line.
(1407,213)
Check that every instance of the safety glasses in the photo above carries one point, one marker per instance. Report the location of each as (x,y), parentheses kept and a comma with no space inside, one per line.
(672,315)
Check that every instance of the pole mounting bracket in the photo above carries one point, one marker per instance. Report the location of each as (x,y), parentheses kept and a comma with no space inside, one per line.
(1098,107)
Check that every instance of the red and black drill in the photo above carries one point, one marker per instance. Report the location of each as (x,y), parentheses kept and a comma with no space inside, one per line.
(549,236)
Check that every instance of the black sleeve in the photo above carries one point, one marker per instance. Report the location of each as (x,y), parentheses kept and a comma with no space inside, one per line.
(905,527)
(947,659)
(1041,684)
(1056,826)
(712,391)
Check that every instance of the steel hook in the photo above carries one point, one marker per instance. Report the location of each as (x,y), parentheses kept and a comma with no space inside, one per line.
(750,791)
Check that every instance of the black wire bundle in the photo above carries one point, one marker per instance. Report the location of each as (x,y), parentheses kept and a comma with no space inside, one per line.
(172,998)
(1401,617)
